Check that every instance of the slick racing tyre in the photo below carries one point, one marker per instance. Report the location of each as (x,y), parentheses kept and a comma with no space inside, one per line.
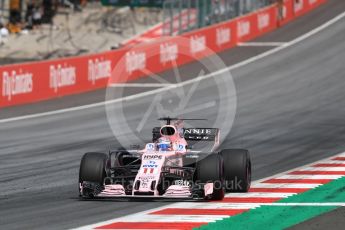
(93,169)
(237,170)
(211,170)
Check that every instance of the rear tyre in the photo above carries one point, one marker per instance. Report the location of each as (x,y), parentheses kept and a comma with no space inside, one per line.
(211,170)
(237,170)
(93,169)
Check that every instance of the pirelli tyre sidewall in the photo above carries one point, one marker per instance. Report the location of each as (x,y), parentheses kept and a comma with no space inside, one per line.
(237,170)
(211,170)
(93,168)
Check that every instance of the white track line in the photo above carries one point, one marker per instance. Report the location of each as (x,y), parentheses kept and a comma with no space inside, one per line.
(284,185)
(208,205)
(331,177)
(256,205)
(171,218)
(304,204)
(258,44)
(238,65)
(333,162)
(258,195)
(139,85)
(329,169)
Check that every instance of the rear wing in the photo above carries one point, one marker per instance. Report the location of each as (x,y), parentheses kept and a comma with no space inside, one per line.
(195,136)
(202,134)
(202,138)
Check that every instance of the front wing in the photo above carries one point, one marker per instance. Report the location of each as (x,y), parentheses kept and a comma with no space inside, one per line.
(92,190)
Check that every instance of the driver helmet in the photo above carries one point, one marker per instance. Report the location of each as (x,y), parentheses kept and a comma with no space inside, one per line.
(164,144)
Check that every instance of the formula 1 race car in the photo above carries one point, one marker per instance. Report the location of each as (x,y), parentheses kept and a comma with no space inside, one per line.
(168,167)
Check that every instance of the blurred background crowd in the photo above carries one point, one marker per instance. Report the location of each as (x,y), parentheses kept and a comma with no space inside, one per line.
(18,15)
(43,29)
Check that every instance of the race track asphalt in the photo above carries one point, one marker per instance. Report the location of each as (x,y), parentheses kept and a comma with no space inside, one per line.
(290,112)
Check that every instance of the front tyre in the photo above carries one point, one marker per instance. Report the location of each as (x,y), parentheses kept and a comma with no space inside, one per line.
(211,170)
(92,170)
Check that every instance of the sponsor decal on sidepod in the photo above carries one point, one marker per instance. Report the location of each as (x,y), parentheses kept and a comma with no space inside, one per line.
(150,164)
(152,157)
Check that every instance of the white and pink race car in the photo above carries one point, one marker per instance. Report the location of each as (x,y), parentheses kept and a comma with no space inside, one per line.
(169,167)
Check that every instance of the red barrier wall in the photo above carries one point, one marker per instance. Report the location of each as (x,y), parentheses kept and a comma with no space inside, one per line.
(32,82)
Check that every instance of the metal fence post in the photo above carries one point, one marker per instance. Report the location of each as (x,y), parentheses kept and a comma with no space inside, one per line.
(177,14)
(189,6)
(164,17)
(180,15)
(168,16)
